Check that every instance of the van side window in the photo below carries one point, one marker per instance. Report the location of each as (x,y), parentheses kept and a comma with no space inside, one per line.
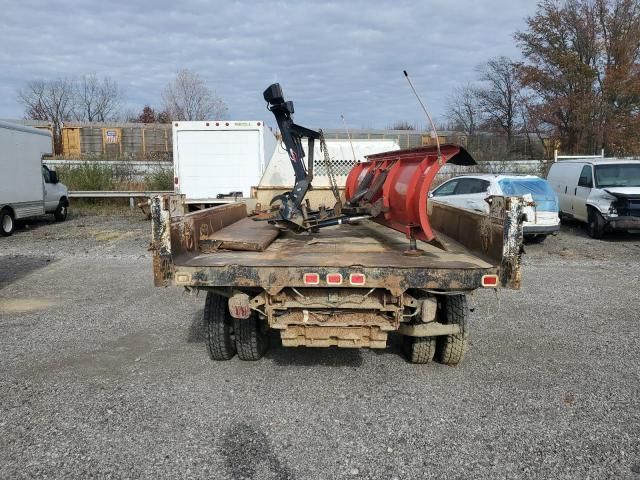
(46,174)
(586,177)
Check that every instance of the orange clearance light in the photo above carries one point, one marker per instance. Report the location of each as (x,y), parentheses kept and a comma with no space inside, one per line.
(334,279)
(311,279)
(356,279)
(489,280)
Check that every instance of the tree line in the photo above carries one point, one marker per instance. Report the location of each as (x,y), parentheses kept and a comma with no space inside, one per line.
(93,99)
(577,85)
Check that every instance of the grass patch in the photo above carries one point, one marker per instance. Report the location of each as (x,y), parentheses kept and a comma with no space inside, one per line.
(160,179)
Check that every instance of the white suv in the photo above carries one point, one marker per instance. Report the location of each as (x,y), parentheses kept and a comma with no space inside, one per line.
(470,192)
(605,193)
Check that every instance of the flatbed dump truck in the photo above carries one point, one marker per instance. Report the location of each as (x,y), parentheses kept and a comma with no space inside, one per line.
(345,285)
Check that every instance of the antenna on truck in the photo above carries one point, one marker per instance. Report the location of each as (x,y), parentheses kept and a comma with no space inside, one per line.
(433,127)
(355,160)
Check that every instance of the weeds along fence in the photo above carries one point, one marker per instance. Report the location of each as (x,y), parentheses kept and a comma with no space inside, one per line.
(140,175)
(113,175)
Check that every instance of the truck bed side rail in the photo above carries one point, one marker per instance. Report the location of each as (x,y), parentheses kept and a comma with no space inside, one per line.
(496,237)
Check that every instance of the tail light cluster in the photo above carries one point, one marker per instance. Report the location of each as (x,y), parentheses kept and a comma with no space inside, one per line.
(355,279)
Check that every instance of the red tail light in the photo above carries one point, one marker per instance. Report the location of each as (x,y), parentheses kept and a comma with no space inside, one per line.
(334,279)
(356,279)
(311,279)
(489,280)
(175,180)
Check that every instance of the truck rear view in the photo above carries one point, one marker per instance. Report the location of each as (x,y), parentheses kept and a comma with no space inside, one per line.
(384,259)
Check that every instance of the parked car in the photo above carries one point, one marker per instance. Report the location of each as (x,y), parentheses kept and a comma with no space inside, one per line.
(27,187)
(470,191)
(604,193)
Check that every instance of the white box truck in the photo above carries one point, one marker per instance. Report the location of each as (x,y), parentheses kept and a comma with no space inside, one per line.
(219,161)
(27,187)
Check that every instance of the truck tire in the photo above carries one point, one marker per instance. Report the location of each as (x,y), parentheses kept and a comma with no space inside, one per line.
(61,212)
(419,349)
(251,339)
(596,224)
(451,348)
(7,222)
(219,328)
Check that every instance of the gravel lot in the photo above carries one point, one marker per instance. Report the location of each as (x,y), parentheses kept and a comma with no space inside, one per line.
(103,375)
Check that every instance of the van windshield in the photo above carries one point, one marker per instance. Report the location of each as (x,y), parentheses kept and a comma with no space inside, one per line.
(618,175)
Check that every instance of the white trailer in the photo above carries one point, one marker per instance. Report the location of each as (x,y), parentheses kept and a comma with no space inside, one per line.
(27,188)
(217,161)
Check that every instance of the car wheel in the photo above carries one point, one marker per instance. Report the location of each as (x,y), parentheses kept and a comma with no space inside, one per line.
(7,222)
(596,224)
(61,212)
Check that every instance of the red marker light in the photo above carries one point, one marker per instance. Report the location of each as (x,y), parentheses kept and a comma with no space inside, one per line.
(175,180)
(311,279)
(258,123)
(334,279)
(356,279)
(489,281)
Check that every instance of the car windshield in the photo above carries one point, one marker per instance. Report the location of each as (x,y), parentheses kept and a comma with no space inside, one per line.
(539,189)
(618,175)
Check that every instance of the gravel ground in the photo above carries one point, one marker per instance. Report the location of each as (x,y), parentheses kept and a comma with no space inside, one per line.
(103,375)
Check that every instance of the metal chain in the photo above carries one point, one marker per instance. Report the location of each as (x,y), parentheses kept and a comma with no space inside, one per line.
(329,166)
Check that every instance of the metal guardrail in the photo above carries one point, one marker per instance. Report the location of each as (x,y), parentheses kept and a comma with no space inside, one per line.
(130,194)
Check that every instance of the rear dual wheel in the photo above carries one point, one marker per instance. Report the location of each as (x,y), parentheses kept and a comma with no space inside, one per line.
(227,336)
(446,349)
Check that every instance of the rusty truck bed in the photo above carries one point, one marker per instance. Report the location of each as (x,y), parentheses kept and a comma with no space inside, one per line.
(188,252)
(368,245)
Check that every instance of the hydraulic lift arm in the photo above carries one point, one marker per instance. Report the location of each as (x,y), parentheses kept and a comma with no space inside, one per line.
(292,136)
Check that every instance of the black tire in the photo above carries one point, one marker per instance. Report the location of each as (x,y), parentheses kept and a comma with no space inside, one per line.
(596,224)
(7,222)
(219,328)
(539,238)
(419,349)
(252,338)
(61,212)
(451,348)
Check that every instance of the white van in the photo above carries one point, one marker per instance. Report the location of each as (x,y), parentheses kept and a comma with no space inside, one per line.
(27,187)
(604,193)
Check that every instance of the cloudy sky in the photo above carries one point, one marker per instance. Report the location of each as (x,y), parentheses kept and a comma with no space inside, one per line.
(331,58)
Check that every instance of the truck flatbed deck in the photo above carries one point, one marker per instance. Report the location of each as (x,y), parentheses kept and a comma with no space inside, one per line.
(367,244)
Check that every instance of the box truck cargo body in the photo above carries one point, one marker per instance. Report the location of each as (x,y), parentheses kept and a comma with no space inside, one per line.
(27,188)
(214,159)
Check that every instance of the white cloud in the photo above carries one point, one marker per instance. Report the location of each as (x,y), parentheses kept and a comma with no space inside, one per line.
(330,57)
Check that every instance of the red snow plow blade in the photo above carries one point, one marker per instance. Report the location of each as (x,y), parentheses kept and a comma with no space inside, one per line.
(399,183)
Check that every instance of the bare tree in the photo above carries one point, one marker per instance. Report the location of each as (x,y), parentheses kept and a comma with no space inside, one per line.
(463,110)
(51,101)
(499,97)
(189,98)
(96,100)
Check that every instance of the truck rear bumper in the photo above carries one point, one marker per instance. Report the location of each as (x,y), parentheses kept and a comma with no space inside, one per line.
(540,229)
